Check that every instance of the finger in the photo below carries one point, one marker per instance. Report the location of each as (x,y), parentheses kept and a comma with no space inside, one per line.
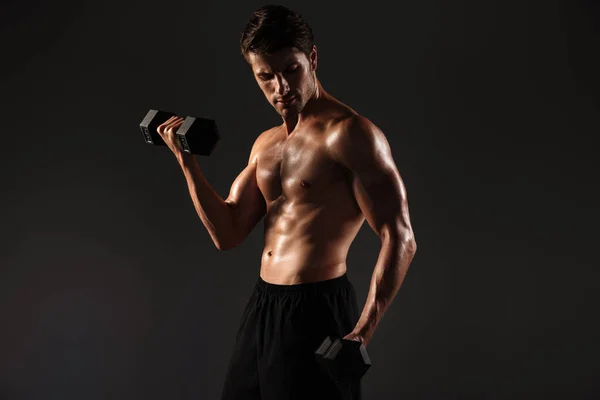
(176,123)
(177,120)
(173,126)
(162,127)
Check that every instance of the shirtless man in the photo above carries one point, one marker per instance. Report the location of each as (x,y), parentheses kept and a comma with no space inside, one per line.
(315,179)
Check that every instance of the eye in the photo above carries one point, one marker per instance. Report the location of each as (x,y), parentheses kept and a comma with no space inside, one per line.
(292,68)
(265,77)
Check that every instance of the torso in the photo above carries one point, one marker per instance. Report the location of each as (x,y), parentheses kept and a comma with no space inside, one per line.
(312,216)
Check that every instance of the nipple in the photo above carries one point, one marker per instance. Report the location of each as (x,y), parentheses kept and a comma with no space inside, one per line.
(305,184)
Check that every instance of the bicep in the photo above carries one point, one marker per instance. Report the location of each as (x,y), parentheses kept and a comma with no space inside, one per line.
(246,200)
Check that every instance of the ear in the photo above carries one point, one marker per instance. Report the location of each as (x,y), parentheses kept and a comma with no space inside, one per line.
(313,58)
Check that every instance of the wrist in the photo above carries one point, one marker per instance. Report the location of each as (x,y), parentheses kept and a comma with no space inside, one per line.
(363,332)
(184,158)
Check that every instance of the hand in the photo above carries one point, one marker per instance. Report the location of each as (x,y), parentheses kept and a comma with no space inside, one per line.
(356,337)
(167,132)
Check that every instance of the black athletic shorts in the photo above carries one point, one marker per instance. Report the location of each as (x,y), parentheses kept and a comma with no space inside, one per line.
(281,328)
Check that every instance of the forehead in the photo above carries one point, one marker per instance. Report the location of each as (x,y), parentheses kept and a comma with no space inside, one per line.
(276,61)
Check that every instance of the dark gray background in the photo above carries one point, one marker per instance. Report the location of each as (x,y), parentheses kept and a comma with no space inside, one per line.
(110,287)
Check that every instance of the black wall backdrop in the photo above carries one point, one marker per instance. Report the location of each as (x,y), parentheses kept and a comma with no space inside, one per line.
(110,287)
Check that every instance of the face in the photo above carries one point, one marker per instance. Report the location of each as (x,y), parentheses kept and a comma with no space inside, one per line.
(286,78)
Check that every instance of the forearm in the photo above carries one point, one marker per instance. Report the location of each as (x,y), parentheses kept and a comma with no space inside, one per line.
(215,214)
(397,252)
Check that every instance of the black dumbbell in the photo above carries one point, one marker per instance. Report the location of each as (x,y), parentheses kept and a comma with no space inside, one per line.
(196,135)
(344,360)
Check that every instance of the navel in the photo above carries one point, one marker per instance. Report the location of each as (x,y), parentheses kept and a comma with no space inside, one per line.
(269,253)
(304,184)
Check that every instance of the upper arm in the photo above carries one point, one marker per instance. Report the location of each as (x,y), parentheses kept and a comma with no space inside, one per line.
(362,147)
(245,198)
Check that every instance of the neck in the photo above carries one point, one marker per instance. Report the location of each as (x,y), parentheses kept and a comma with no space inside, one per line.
(290,123)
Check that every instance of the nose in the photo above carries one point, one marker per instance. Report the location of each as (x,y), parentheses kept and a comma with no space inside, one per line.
(282,86)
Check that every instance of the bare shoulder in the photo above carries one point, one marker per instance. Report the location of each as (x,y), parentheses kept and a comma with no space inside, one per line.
(357,125)
(356,137)
(259,144)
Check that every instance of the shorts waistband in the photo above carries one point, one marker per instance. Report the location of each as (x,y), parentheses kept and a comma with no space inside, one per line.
(326,285)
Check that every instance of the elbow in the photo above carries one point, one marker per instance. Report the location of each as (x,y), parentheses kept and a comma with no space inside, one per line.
(225,245)
(405,240)
(220,247)
(402,237)
(412,246)
(230,239)
(410,243)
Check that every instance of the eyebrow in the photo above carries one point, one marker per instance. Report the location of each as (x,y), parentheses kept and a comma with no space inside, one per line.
(287,63)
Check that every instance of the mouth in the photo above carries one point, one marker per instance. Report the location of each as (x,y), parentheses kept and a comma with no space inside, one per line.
(287,102)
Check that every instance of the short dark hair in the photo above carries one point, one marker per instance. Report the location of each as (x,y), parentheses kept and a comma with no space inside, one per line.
(272,28)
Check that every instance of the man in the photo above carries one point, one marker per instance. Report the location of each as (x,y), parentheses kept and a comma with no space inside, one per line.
(315,178)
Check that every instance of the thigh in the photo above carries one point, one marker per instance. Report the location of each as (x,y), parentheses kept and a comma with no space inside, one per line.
(290,370)
(241,379)
(296,377)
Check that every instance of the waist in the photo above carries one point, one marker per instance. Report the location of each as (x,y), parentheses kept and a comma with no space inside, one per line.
(320,285)
(292,272)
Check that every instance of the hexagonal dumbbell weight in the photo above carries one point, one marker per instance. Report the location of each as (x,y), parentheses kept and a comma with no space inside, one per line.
(196,135)
(344,360)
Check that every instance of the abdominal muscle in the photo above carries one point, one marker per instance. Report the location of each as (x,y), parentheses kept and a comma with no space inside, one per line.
(305,243)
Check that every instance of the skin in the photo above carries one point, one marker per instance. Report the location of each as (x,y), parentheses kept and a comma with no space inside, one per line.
(315,179)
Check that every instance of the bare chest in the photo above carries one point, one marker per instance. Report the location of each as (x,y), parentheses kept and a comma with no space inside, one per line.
(299,169)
